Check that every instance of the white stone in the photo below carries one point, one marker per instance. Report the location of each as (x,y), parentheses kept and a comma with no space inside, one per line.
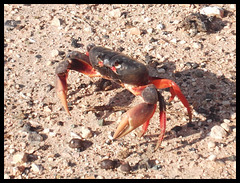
(56,22)
(150,30)
(86,133)
(212,157)
(212,11)
(134,31)
(197,45)
(19,158)
(226,103)
(36,168)
(226,127)
(182,42)
(12,150)
(174,40)
(226,121)
(211,145)
(161,70)
(147,19)
(160,26)
(217,132)
(116,13)
(54,53)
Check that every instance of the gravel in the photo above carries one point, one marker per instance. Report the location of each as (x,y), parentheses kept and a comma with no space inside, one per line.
(37,37)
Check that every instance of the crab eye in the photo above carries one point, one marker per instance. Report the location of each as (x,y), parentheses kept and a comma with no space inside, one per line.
(117,65)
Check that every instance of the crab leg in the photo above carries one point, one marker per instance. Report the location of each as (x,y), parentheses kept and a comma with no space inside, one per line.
(78,62)
(175,90)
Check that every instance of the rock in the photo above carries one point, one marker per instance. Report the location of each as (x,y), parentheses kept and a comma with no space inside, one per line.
(226,103)
(212,157)
(76,143)
(199,74)
(161,70)
(174,40)
(35,136)
(20,158)
(47,109)
(227,121)
(37,168)
(135,31)
(182,42)
(115,13)
(217,132)
(197,45)
(212,11)
(107,164)
(6,176)
(125,167)
(150,30)
(12,151)
(56,22)
(124,153)
(160,26)
(54,53)
(211,145)
(86,133)
(226,127)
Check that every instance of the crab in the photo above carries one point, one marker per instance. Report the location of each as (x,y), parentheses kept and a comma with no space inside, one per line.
(130,74)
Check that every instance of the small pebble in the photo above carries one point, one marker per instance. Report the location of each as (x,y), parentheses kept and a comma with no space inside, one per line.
(226,103)
(20,158)
(124,153)
(125,167)
(160,26)
(197,45)
(107,164)
(116,13)
(209,120)
(156,167)
(86,133)
(54,53)
(60,123)
(161,70)
(34,136)
(150,30)
(36,168)
(212,11)
(212,157)
(226,127)
(217,132)
(174,40)
(227,121)
(199,74)
(12,150)
(182,42)
(48,63)
(56,22)
(211,145)
(76,143)
(101,122)
(135,31)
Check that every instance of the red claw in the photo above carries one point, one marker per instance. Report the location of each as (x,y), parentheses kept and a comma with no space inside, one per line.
(134,118)
(61,90)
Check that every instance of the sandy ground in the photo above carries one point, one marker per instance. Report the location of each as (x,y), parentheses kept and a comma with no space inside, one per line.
(37,130)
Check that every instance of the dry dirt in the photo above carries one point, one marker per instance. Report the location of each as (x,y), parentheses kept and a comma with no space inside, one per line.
(37,130)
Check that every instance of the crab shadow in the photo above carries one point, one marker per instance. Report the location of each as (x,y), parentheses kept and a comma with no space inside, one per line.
(210,95)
